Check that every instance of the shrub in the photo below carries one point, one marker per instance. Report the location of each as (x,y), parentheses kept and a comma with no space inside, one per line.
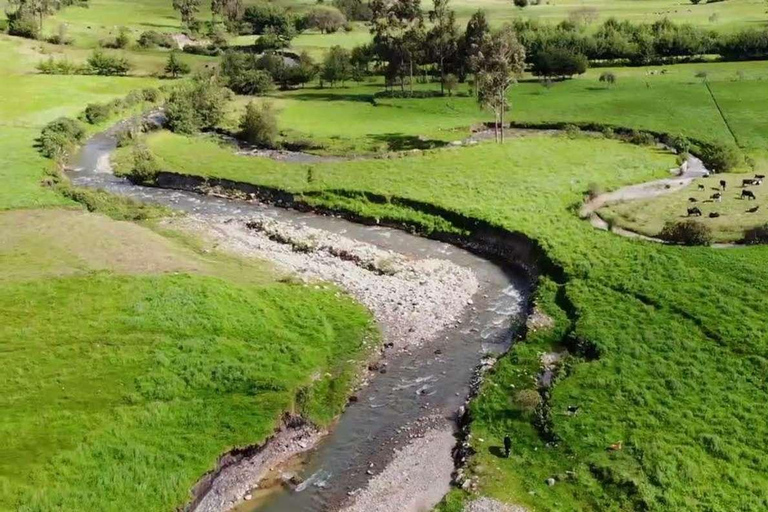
(201,49)
(175,66)
(152,38)
(356,10)
(151,94)
(593,190)
(571,130)
(22,24)
(641,138)
(326,19)
(197,106)
(679,143)
(687,232)
(608,77)
(608,132)
(720,157)
(252,82)
(450,82)
(528,399)
(97,112)
(58,67)
(559,62)
(101,63)
(258,125)
(145,167)
(59,137)
(757,235)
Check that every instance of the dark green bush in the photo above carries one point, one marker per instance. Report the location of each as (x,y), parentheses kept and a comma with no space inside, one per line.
(97,112)
(151,94)
(721,157)
(687,232)
(145,167)
(22,24)
(641,138)
(152,38)
(100,63)
(59,137)
(197,106)
(258,125)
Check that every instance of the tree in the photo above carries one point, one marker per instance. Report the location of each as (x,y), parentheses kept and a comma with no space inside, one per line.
(258,126)
(499,62)
(188,10)
(326,19)
(477,31)
(398,34)
(443,37)
(337,66)
(561,62)
(306,70)
(357,10)
(175,66)
(197,106)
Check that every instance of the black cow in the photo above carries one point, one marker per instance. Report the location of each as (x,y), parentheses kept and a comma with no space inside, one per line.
(693,200)
(748,181)
(701,186)
(753,209)
(723,184)
(759,176)
(717,197)
(694,212)
(713,215)
(748,194)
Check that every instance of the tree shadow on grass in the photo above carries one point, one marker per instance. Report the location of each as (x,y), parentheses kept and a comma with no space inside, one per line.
(403,142)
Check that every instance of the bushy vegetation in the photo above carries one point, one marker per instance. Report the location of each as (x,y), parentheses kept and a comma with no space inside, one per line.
(176,67)
(197,106)
(248,73)
(101,63)
(721,157)
(326,19)
(152,38)
(258,125)
(59,137)
(756,235)
(559,62)
(145,167)
(686,232)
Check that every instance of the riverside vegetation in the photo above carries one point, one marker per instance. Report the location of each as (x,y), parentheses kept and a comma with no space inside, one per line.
(667,351)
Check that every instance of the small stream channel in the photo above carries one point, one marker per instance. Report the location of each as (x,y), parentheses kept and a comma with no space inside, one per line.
(430,381)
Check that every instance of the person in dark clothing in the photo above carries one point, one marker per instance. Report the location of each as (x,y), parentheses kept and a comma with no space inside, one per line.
(507,445)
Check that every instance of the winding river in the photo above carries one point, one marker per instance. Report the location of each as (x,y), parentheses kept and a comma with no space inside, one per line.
(431,381)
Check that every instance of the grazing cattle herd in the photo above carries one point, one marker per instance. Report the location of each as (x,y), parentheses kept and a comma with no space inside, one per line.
(717,197)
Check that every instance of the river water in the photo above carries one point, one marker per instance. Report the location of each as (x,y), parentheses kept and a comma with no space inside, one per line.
(431,381)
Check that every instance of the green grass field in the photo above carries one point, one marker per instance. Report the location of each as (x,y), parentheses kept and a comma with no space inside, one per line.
(680,331)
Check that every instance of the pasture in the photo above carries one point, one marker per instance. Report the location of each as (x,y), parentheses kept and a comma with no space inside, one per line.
(735,213)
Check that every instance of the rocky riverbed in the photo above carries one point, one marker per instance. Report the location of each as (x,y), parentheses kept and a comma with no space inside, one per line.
(412,299)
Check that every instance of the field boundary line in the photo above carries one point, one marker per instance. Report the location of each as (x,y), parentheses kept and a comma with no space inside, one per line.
(722,114)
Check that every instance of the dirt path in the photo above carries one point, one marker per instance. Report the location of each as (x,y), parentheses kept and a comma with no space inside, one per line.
(691,169)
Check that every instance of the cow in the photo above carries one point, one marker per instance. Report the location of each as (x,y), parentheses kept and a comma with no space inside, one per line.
(747,182)
(716,197)
(713,215)
(701,186)
(694,212)
(748,194)
(753,209)
(692,200)
(723,183)
(759,176)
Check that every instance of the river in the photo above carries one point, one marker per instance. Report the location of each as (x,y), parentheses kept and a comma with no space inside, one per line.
(431,381)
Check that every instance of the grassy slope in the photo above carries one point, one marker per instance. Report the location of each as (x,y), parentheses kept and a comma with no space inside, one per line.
(681,331)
